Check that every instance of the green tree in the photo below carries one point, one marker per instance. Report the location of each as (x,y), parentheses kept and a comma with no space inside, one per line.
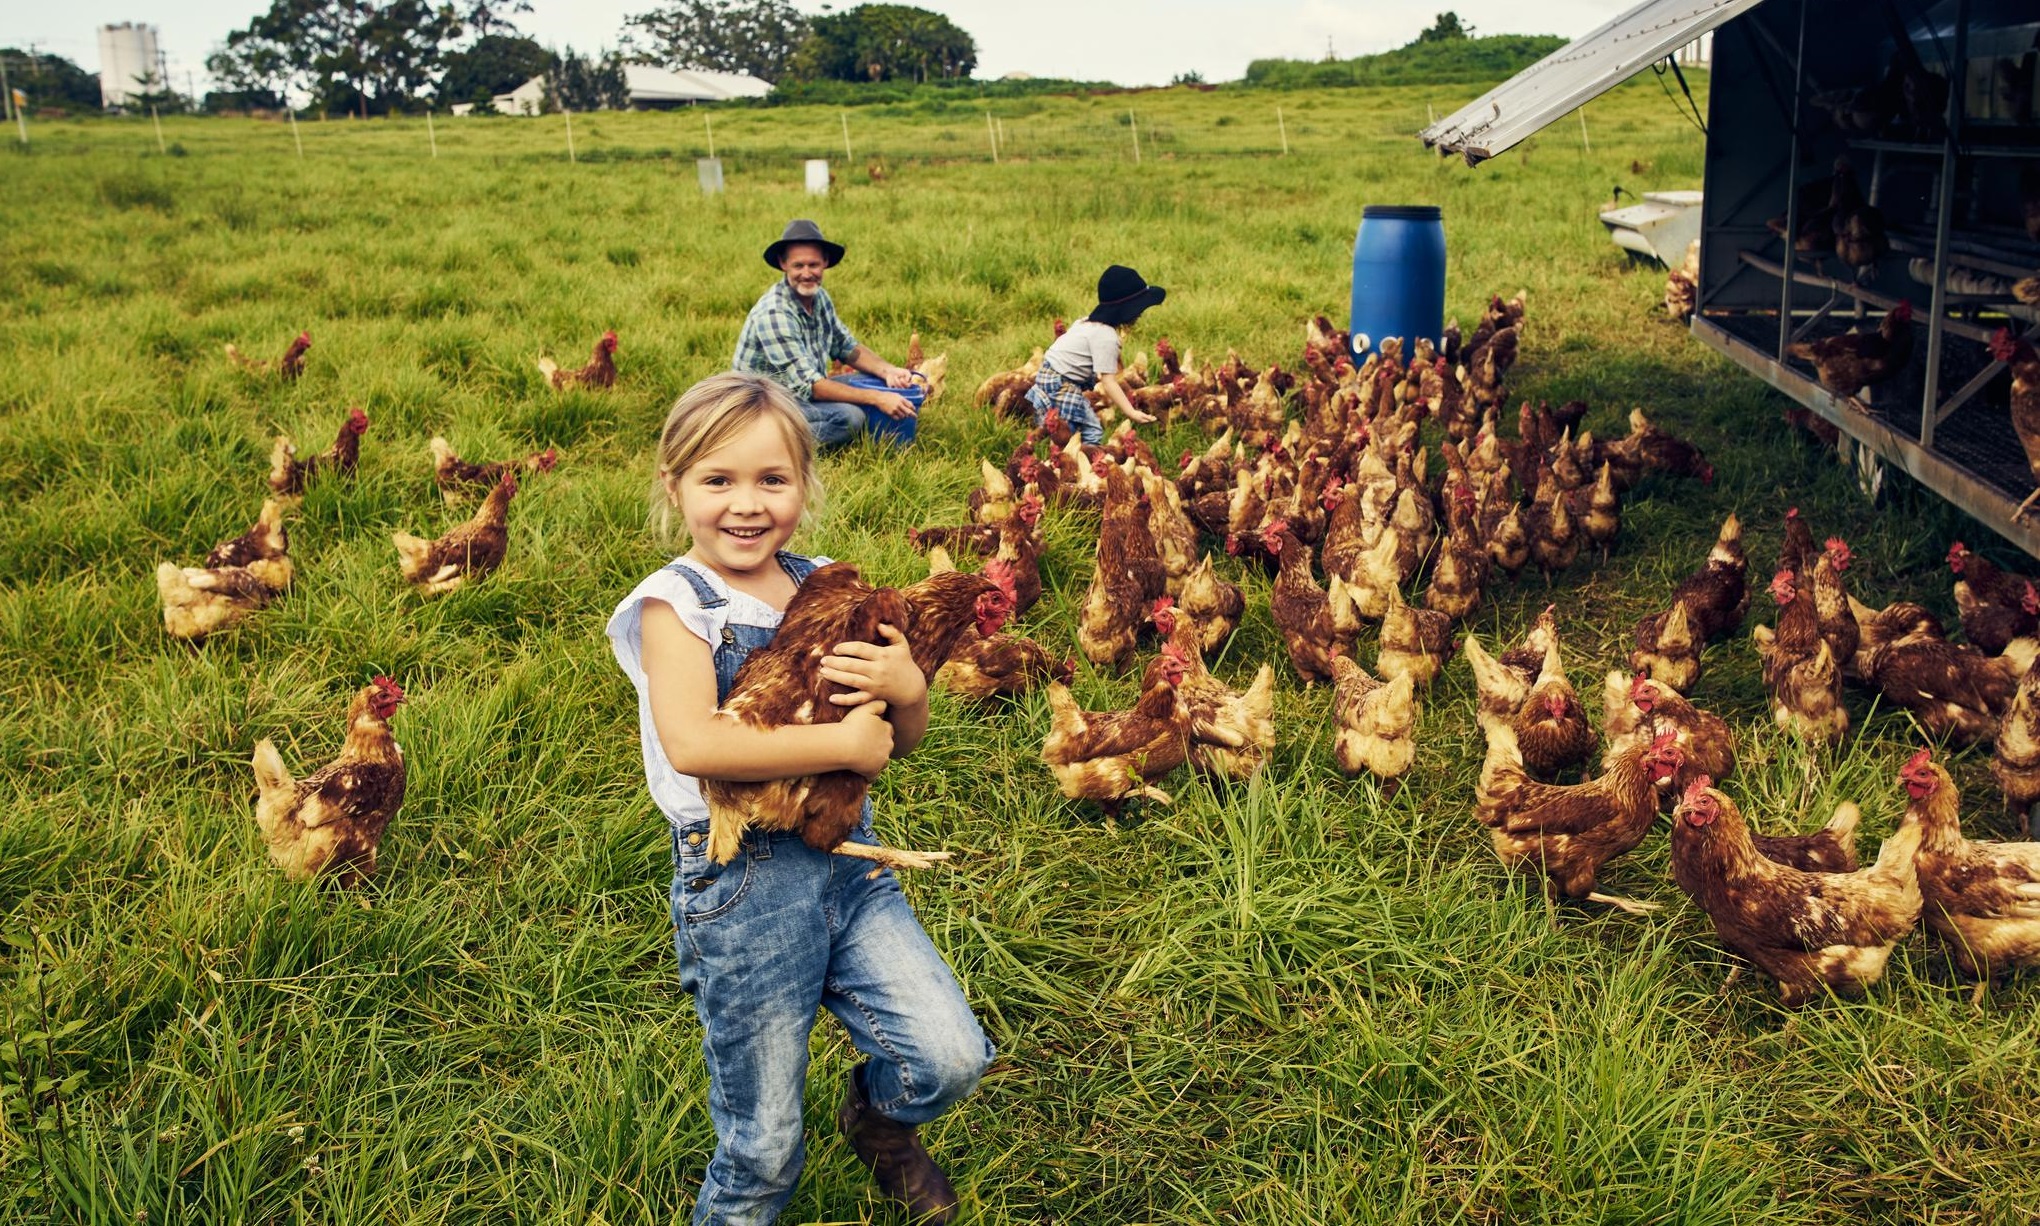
(585,83)
(51,80)
(495,64)
(348,55)
(1446,28)
(884,42)
(758,37)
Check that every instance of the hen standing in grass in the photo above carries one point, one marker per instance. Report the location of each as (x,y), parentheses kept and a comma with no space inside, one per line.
(288,474)
(1114,756)
(1996,607)
(2025,403)
(1982,899)
(1569,832)
(334,818)
(458,479)
(288,367)
(1812,932)
(471,551)
(599,372)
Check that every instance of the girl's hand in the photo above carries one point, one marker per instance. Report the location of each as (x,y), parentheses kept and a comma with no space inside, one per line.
(1137,415)
(868,740)
(885,672)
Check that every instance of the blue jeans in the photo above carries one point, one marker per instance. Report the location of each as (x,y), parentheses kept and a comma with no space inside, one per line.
(832,422)
(763,941)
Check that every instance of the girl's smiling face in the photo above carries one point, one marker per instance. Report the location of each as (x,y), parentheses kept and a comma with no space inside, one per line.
(742,501)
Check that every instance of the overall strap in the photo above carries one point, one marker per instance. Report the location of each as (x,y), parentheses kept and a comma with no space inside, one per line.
(797,568)
(707,593)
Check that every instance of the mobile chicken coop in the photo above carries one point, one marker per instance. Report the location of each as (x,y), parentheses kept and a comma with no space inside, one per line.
(1932,105)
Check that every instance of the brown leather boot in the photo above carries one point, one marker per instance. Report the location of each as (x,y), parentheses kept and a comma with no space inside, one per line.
(894,1153)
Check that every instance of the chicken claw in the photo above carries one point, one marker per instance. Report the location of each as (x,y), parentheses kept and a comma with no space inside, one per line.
(1632,906)
(892,857)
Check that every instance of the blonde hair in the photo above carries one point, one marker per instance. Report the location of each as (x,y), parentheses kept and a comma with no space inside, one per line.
(711,413)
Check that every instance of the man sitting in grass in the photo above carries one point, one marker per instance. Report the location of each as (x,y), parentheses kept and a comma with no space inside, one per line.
(792,332)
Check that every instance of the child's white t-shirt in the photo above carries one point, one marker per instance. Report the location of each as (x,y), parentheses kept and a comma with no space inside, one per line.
(1084,353)
(678,796)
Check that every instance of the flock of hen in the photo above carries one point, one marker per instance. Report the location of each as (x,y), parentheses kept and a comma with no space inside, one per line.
(1347,489)
(334,818)
(1344,491)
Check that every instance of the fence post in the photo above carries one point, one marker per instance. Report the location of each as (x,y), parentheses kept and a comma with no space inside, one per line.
(992,135)
(711,134)
(1283,128)
(157,120)
(848,157)
(292,112)
(1584,144)
(430,134)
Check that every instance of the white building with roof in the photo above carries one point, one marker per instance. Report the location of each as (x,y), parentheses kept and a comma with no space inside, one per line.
(650,88)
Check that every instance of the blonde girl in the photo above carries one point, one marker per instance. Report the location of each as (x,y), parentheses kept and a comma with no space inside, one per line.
(781,929)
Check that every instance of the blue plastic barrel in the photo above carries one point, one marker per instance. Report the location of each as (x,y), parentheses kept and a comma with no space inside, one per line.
(1398,275)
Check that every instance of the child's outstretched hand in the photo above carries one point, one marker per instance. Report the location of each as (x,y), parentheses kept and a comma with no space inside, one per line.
(885,672)
(1137,416)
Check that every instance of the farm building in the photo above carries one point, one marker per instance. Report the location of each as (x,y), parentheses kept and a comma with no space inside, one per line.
(651,88)
(1815,101)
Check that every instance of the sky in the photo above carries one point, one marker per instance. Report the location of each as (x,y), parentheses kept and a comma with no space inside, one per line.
(1132,42)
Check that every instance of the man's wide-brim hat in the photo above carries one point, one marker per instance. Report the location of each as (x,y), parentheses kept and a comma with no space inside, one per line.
(1123,295)
(801,230)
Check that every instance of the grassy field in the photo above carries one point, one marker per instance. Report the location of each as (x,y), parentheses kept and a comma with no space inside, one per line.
(1293,1001)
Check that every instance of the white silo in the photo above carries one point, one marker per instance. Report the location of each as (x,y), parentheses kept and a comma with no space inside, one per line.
(127,56)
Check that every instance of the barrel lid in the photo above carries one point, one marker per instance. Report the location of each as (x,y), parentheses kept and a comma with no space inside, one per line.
(1402,212)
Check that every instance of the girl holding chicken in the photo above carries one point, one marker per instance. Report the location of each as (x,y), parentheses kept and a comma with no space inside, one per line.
(781,928)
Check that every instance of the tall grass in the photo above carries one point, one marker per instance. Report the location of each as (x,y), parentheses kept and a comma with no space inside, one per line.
(1293,1000)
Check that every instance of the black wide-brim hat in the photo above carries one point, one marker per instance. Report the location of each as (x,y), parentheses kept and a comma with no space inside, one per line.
(1123,295)
(801,230)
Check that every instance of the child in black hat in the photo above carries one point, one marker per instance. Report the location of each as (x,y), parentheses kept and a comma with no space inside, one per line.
(1087,356)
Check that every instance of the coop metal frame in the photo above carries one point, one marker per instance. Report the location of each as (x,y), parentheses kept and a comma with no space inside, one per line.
(1765,141)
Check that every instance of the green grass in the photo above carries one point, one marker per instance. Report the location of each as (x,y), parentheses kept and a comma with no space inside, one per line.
(1286,1002)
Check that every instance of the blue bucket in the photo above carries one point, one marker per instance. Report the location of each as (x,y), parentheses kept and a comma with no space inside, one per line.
(897,431)
(1398,275)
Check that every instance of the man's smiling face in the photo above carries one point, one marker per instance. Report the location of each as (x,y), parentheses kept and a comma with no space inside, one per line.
(804,264)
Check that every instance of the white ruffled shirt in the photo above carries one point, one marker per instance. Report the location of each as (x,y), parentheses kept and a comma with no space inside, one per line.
(678,796)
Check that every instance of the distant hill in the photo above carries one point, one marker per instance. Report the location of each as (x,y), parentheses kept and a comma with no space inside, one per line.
(1458,61)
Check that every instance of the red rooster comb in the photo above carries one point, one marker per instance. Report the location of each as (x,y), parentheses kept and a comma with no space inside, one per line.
(304,339)
(1641,693)
(548,459)
(1000,572)
(1838,553)
(2030,601)
(1792,512)
(1029,509)
(1782,589)
(1918,775)
(1174,660)
(1957,552)
(1903,312)
(1700,784)
(608,341)
(1666,740)
(387,698)
(1183,465)
(357,420)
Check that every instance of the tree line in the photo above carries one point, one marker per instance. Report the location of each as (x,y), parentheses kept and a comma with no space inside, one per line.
(372,57)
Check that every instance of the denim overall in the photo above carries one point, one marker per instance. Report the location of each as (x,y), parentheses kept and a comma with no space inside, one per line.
(777,932)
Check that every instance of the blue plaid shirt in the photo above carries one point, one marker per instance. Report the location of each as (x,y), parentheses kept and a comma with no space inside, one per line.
(790,346)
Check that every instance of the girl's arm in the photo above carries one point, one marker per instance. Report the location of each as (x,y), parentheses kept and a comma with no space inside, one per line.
(681,673)
(883,672)
(1117,395)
